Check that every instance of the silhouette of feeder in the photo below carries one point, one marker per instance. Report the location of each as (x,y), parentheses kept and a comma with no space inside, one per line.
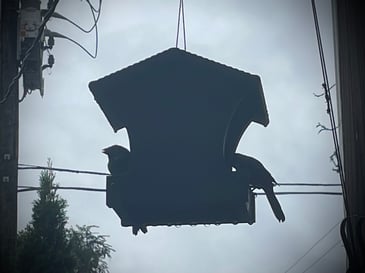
(185,116)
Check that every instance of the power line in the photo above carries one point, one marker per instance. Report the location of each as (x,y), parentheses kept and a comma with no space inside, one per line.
(313,246)
(35,167)
(93,11)
(310,184)
(59,35)
(30,188)
(321,257)
(302,193)
(93,8)
(330,110)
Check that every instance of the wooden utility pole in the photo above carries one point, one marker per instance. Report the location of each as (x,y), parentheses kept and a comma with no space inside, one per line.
(349,33)
(9,119)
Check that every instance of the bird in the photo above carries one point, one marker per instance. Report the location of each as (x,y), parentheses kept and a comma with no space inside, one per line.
(119,159)
(259,177)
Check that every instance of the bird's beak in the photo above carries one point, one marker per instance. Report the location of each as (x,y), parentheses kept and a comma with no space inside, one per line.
(103,151)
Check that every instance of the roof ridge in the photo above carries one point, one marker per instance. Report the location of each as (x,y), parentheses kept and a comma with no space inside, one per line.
(175,49)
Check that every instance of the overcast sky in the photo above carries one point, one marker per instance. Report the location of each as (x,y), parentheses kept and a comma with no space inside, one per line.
(273,39)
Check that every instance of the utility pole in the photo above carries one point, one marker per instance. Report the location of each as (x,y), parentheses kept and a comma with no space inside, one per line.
(350,81)
(9,123)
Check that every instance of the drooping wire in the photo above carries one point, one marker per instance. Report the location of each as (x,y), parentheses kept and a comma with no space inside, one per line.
(93,8)
(28,52)
(330,110)
(59,35)
(95,26)
(95,19)
(181,12)
(313,246)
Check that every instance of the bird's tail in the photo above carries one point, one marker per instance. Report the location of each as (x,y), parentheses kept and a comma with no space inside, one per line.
(275,205)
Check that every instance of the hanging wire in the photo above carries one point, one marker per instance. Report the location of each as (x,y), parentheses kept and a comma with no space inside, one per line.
(59,35)
(93,8)
(95,26)
(95,19)
(181,12)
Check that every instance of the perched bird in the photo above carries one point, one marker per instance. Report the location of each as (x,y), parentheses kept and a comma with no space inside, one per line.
(119,159)
(260,178)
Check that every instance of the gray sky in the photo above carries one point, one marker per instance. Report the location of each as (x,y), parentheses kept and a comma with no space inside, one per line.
(273,39)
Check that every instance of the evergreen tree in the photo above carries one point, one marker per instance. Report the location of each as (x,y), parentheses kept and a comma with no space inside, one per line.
(89,250)
(46,245)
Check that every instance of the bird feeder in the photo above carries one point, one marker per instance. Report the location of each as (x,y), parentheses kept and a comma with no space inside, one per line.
(184,115)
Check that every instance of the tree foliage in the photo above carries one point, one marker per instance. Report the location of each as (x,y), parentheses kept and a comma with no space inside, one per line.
(47,245)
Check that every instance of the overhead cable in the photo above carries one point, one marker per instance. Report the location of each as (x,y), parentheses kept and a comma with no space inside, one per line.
(301,193)
(313,246)
(35,167)
(330,110)
(310,184)
(32,188)
(93,8)
(59,35)
(60,16)
(322,256)
(94,26)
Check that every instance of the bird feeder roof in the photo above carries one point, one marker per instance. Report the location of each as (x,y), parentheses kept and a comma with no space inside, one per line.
(177,85)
